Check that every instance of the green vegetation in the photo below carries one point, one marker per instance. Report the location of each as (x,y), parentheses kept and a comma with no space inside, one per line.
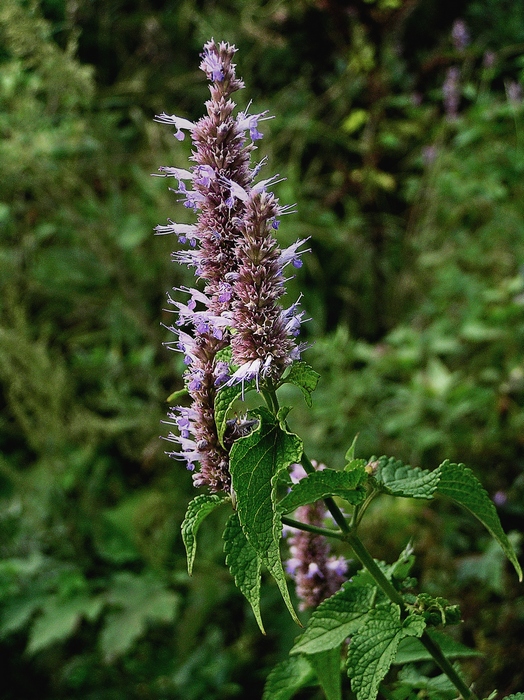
(415,288)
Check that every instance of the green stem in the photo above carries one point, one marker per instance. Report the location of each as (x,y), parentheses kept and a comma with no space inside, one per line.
(330,503)
(350,536)
(371,565)
(312,528)
(271,400)
(381,580)
(446,666)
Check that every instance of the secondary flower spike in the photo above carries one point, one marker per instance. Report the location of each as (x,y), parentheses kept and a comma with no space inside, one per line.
(317,573)
(238,266)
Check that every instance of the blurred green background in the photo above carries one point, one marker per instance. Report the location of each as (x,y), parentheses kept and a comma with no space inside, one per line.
(403,146)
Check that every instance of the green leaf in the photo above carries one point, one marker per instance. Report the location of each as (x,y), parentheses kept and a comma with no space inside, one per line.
(305,377)
(255,462)
(199,508)
(436,687)
(398,479)
(244,564)
(462,486)
(287,678)
(18,611)
(225,355)
(515,696)
(60,618)
(374,647)
(350,454)
(326,482)
(177,395)
(411,649)
(224,401)
(357,464)
(327,668)
(335,619)
(142,599)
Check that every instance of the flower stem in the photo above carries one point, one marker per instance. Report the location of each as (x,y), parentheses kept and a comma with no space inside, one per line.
(446,666)
(381,580)
(373,568)
(350,536)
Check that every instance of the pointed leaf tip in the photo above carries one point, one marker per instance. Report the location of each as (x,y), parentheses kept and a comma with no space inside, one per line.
(199,508)
(255,462)
(460,484)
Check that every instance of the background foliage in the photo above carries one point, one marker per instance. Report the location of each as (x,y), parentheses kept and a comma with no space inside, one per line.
(415,288)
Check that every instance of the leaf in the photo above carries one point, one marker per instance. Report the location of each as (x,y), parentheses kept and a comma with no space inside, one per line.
(411,649)
(60,618)
(326,482)
(305,377)
(199,508)
(18,611)
(327,668)
(350,453)
(287,678)
(177,395)
(255,462)
(244,564)
(373,648)
(143,599)
(399,479)
(462,486)
(224,400)
(515,696)
(335,619)
(437,687)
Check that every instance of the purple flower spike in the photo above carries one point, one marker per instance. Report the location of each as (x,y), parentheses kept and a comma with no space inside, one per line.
(317,573)
(238,266)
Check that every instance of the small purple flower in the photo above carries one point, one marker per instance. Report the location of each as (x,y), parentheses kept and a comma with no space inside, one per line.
(500,498)
(489,58)
(429,154)
(460,35)
(514,92)
(178,122)
(451,92)
(317,573)
(212,65)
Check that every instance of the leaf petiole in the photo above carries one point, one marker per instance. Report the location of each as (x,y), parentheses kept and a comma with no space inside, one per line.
(291,522)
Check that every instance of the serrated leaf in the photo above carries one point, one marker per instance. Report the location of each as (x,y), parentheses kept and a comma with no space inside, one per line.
(225,355)
(515,696)
(462,486)
(326,482)
(373,648)
(411,649)
(287,678)
(224,401)
(244,565)
(305,377)
(356,464)
(400,479)
(327,668)
(255,462)
(335,619)
(199,508)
